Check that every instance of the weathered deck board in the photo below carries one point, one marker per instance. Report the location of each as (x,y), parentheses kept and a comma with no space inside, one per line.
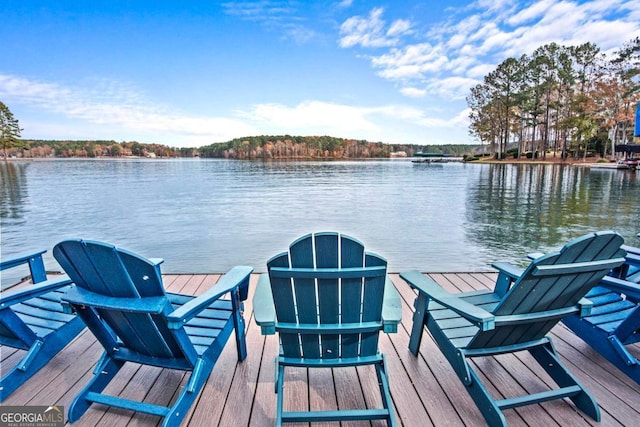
(425,389)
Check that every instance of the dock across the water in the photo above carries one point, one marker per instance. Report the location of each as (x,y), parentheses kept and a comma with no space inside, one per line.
(434,158)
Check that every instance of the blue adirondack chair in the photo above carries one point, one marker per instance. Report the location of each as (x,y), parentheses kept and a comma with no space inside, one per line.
(517,315)
(614,321)
(120,296)
(32,319)
(328,300)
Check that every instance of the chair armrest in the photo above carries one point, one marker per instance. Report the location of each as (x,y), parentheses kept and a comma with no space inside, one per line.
(632,259)
(585,307)
(534,255)
(507,274)
(264,309)
(20,259)
(622,286)
(27,292)
(482,318)
(631,249)
(232,279)
(35,262)
(540,316)
(391,308)
(513,271)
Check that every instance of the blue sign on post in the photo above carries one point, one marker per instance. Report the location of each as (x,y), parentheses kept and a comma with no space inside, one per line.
(637,131)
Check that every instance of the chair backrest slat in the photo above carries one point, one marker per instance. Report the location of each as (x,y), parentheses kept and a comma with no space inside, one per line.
(285,308)
(372,310)
(352,255)
(328,298)
(301,253)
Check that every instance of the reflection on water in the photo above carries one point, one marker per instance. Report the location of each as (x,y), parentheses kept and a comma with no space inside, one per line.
(208,215)
(535,205)
(14,188)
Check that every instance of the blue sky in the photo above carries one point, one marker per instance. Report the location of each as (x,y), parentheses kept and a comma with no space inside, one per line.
(190,73)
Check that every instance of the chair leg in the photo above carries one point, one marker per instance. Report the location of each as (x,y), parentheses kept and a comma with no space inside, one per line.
(616,353)
(23,370)
(103,374)
(611,349)
(279,392)
(189,393)
(40,353)
(485,403)
(239,326)
(383,381)
(419,321)
(628,358)
(548,358)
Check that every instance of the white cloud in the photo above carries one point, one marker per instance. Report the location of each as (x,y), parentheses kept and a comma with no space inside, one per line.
(344,4)
(410,62)
(370,31)
(461,119)
(418,116)
(299,34)
(457,40)
(454,87)
(311,116)
(413,92)
(496,40)
(534,11)
(277,16)
(399,27)
(479,71)
(461,64)
(496,5)
(263,10)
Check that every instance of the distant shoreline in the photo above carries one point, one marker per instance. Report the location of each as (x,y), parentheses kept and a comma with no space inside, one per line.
(548,161)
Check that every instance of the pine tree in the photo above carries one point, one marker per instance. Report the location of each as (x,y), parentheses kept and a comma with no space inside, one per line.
(9,130)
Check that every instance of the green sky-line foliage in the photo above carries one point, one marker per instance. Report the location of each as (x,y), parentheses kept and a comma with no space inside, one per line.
(563,99)
(253,147)
(9,131)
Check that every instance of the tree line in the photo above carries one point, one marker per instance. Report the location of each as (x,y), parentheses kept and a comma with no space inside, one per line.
(565,100)
(318,147)
(252,147)
(98,148)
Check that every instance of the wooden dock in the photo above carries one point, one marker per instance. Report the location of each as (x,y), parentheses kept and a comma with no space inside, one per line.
(425,390)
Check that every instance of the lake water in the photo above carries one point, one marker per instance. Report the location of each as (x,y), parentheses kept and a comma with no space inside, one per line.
(208,215)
